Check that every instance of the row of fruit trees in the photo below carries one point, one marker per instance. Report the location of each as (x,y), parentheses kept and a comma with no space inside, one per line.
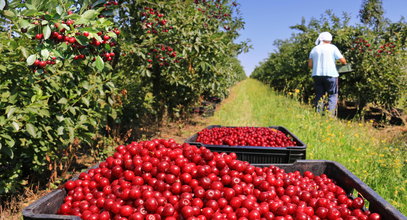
(74,72)
(375,48)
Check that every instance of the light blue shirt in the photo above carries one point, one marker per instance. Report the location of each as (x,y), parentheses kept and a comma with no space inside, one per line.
(324,58)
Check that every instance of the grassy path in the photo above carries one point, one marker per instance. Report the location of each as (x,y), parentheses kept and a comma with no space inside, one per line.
(365,151)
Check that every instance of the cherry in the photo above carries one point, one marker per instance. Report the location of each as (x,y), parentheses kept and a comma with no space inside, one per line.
(69,22)
(162,179)
(374,216)
(126,210)
(42,64)
(358,203)
(39,36)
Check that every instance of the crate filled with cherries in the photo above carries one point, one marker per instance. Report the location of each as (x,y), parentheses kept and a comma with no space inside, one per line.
(162,179)
(274,144)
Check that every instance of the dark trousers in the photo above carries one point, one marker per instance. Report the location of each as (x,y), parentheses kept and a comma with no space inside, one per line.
(323,85)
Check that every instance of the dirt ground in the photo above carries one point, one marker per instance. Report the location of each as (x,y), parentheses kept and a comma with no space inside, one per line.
(181,132)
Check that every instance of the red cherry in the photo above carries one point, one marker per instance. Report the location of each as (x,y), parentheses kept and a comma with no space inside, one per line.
(70,185)
(39,36)
(36,63)
(42,64)
(69,22)
(358,203)
(374,216)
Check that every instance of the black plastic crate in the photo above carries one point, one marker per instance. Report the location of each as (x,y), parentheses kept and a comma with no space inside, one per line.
(259,154)
(348,181)
(47,206)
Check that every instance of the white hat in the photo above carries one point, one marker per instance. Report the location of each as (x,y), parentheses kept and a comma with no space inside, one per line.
(324,36)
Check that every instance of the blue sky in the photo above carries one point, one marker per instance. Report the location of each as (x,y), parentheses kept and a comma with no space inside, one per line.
(269,20)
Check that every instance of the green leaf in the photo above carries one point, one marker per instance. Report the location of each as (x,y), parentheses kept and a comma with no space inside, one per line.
(85,101)
(24,51)
(8,150)
(24,23)
(40,71)
(3,68)
(110,101)
(10,110)
(43,113)
(112,35)
(84,84)
(11,143)
(31,130)
(147,73)
(89,29)
(63,47)
(66,27)
(99,63)
(30,12)
(31,59)
(196,48)
(15,125)
(113,114)
(71,133)
(60,10)
(107,47)
(73,17)
(30,6)
(46,31)
(72,110)
(83,118)
(9,14)
(97,37)
(89,14)
(45,54)
(49,17)
(85,5)
(82,40)
(63,101)
(6,136)
(60,117)
(2,121)
(110,84)
(60,130)
(56,53)
(98,3)
(36,3)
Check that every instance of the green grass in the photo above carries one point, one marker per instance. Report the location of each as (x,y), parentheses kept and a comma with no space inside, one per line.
(366,152)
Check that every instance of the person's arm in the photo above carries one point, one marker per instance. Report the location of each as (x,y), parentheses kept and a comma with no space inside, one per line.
(338,56)
(310,63)
(342,60)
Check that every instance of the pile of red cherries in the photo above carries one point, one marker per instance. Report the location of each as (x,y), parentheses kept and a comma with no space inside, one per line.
(245,136)
(161,179)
